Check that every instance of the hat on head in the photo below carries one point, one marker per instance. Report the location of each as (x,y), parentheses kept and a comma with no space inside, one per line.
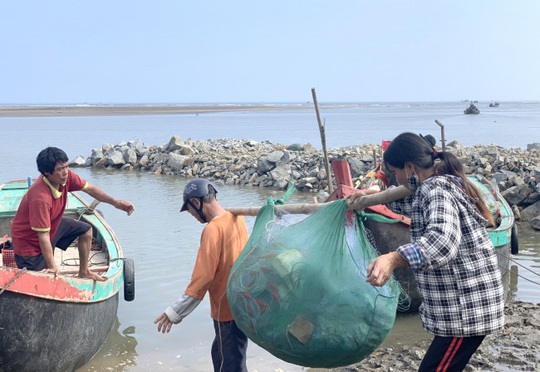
(197,188)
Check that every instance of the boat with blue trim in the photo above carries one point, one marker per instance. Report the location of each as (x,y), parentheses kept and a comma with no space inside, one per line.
(58,323)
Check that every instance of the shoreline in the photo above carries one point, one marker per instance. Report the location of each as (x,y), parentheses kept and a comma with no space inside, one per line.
(513,348)
(128,110)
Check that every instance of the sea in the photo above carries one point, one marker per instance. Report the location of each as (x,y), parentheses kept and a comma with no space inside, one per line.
(164,242)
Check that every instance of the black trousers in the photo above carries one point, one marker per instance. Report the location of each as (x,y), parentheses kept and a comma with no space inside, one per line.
(449,354)
(229,348)
(67,232)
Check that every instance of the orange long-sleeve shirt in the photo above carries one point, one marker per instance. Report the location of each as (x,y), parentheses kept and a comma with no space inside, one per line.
(222,240)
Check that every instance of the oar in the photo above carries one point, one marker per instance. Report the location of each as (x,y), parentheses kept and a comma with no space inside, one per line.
(383,197)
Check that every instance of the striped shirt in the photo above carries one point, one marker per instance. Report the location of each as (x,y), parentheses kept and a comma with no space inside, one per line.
(454,260)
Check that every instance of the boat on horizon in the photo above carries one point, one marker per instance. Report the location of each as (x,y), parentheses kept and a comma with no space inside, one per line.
(471,110)
(58,323)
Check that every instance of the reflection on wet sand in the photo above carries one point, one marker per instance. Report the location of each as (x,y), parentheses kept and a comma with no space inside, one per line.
(117,353)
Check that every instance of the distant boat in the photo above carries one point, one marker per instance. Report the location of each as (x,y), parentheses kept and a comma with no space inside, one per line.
(494,104)
(471,110)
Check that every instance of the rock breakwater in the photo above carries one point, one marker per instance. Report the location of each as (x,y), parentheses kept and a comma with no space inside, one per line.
(268,164)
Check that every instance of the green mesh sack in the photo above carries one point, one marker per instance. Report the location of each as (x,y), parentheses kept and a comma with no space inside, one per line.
(299,289)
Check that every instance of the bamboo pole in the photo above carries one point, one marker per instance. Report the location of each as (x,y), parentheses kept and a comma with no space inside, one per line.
(383,197)
(323,140)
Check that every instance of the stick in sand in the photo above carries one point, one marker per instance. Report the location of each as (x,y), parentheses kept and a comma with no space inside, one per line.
(383,197)
(323,141)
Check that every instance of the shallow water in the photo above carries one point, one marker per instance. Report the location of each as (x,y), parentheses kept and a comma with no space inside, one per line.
(164,242)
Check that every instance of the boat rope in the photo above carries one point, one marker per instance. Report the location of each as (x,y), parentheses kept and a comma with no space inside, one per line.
(21,271)
(522,266)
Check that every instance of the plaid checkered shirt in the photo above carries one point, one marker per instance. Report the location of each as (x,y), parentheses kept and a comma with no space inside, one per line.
(454,260)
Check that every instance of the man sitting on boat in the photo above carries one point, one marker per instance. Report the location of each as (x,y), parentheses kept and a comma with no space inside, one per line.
(39,226)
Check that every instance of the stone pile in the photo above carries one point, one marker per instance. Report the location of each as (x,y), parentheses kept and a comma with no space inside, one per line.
(268,164)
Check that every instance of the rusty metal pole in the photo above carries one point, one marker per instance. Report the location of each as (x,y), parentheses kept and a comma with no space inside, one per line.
(443,141)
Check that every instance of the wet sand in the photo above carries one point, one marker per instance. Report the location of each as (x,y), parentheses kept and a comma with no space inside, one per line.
(126,110)
(515,348)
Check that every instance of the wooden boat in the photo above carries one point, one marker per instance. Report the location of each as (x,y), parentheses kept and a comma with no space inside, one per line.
(50,323)
(388,237)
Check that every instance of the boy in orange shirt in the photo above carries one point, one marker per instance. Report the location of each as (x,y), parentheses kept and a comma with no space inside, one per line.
(222,240)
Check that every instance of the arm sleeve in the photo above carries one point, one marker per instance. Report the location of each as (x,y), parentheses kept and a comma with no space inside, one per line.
(76,183)
(402,206)
(442,235)
(181,308)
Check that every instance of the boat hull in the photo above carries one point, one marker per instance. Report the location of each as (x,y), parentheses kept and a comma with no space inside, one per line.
(45,335)
(388,237)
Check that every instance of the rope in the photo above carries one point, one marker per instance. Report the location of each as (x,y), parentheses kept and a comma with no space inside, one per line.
(522,266)
(23,270)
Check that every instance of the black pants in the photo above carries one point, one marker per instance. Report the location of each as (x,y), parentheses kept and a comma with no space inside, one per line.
(67,232)
(449,354)
(229,348)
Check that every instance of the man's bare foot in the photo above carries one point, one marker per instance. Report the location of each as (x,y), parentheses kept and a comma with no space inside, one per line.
(91,275)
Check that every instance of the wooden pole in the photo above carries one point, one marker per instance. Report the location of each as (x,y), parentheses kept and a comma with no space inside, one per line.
(323,140)
(443,141)
(383,197)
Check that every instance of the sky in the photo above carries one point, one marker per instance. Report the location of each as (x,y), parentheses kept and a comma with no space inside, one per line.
(180,51)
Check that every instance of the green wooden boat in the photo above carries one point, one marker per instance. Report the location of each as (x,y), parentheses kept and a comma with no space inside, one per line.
(59,323)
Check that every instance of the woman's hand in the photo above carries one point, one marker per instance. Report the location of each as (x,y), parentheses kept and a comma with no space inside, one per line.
(352,199)
(380,270)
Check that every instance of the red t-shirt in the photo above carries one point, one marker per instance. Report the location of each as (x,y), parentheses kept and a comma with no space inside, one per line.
(41,209)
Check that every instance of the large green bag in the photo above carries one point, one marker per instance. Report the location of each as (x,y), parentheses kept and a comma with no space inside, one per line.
(299,289)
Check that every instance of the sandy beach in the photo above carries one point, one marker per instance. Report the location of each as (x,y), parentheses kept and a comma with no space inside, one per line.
(125,110)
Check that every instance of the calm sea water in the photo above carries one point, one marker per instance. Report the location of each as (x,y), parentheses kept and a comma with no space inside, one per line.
(164,242)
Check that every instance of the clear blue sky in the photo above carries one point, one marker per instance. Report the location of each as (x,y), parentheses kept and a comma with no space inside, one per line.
(180,51)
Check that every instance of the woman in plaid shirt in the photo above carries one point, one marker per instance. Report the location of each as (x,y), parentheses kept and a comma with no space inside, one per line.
(453,258)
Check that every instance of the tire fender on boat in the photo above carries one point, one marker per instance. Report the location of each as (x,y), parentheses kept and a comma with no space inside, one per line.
(514,243)
(129,279)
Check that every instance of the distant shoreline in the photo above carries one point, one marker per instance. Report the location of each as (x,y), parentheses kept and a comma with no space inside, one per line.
(126,110)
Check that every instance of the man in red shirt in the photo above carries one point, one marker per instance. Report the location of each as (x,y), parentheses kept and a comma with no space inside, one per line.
(222,240)
(38,226)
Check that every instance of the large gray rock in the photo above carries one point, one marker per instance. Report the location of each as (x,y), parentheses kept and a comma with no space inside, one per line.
(516,194)
(130,155)
(78,161)
(535,223)
(175,143)
(275,156)
(281,172)
(115,158)
(531,212)
(177,162)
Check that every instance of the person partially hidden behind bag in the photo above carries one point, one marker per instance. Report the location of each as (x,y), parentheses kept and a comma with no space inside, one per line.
(39,225)
(450,252)
(222,241)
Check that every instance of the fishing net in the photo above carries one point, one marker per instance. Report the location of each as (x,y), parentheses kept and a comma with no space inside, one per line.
(299,288)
